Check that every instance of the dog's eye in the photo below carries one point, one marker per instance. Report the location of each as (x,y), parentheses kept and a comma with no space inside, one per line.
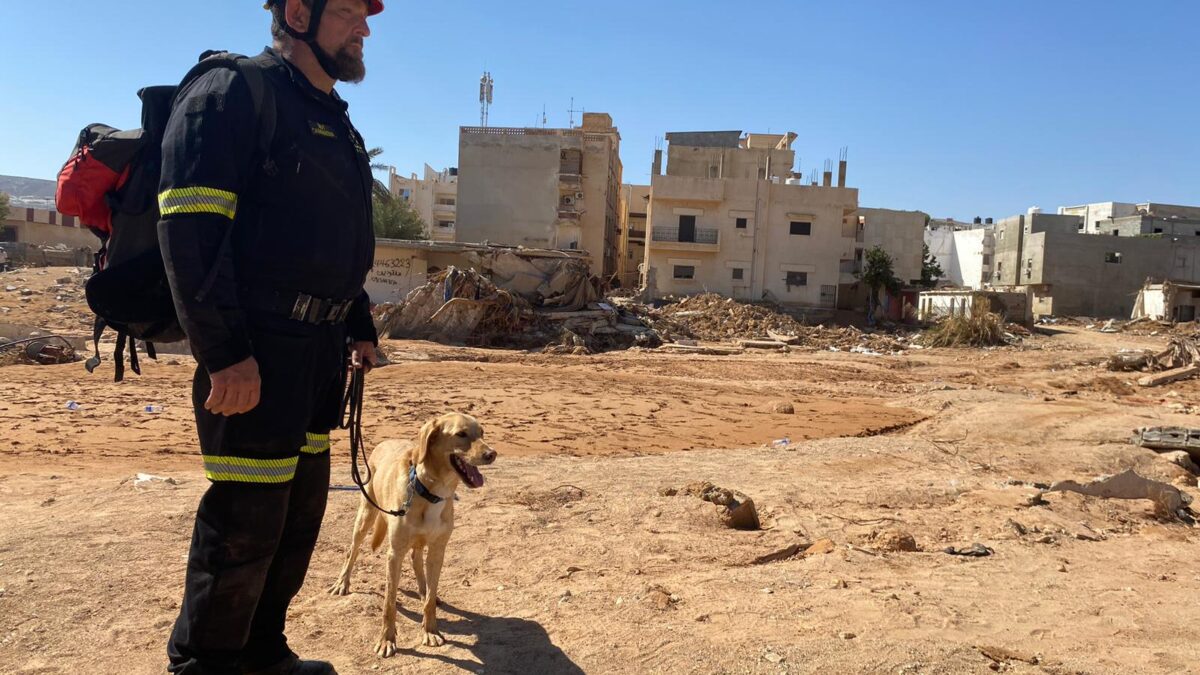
(461,434)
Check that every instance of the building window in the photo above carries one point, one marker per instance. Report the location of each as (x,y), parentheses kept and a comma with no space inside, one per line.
(743,223)
(1080,228)
(801,228)
(1158,230)
(1114,258)
(685,272)
(446,201)
(714,172)
(738,273)
(987,260)
(1116,233)
(796,279)
(999,267)
(445,223)
(8,234)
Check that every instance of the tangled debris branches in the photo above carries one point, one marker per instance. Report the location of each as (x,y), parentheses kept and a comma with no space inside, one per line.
(1180,353)
(980,329)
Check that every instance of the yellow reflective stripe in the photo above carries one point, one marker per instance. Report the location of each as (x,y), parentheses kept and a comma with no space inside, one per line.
(317,443)
(249,469)
(197,200)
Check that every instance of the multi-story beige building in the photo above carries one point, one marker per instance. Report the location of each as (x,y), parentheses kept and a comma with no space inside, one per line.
(543,188)
(434,197)
(635,201)
(45,227)
(731,217)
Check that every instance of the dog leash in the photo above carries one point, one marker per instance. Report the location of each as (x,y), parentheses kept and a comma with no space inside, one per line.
(352,411)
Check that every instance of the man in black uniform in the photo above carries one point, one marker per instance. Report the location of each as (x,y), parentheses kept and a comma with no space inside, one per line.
(291,238)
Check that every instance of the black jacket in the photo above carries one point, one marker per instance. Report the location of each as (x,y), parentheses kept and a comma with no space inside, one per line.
(301,218)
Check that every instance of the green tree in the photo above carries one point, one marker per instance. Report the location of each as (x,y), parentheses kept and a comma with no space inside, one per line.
(3,206)
(395,218)
(931,270)
(878,272)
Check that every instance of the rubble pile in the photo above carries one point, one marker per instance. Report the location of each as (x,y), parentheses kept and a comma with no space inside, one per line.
(715,318)
(1180,353)
(457,306)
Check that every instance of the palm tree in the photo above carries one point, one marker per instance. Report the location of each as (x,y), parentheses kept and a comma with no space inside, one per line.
(394,218)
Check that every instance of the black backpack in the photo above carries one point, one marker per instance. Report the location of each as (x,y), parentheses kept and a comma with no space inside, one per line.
(111,184)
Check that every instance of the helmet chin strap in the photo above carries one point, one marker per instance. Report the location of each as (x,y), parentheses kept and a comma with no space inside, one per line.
(309,38)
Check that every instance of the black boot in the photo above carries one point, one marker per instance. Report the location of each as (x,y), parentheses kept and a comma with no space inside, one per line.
(292,665)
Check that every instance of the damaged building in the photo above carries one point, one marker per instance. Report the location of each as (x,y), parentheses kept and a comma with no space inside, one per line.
(1070,272)
(434,196)
(729,216)
(543,188)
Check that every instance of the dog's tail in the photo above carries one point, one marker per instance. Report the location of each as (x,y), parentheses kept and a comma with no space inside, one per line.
(380,533)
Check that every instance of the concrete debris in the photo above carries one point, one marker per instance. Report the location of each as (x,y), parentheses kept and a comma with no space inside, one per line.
(1181,352)
(1169,438)
(42,350)
(1169,501)
(456,305)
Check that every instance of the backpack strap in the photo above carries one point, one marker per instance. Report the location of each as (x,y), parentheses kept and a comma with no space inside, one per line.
(265,111)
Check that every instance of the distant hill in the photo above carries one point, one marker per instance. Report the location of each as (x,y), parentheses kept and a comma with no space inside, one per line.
(35,192)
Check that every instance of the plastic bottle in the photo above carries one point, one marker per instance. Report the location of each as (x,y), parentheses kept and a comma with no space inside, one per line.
(154,408)
(72,405)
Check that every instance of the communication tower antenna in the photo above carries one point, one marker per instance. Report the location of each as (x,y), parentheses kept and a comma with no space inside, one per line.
(486,85)
(572,112)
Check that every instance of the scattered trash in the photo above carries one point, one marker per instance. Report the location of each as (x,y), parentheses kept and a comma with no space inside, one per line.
(147,480)
(72,405)
(1169,501)
(972,551)
(37,349)
(781,442)
(155,409)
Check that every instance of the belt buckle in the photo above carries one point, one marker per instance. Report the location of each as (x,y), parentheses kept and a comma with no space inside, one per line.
(344,310)
(300,309)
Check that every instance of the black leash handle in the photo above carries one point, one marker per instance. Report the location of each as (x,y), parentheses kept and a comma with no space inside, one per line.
(352,411)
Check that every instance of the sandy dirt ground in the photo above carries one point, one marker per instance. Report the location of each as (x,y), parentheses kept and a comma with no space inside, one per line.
(571,560)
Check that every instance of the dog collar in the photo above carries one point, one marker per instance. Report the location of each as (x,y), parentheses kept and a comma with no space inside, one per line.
(415,484)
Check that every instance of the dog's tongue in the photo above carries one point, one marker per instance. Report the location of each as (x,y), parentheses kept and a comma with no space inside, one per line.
(469,473)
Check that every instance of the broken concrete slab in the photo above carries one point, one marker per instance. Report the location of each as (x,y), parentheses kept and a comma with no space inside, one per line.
(1185,373)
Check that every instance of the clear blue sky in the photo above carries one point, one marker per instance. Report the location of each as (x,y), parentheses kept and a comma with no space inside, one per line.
(959,108)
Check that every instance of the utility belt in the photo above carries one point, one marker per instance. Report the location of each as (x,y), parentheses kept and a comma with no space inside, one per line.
(296,306)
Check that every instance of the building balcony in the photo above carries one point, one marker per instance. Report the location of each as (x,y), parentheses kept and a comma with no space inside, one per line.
(672,238)
(445,209)
(570,180)
(569,213)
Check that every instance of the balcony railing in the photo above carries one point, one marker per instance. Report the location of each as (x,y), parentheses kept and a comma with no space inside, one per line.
(701,235)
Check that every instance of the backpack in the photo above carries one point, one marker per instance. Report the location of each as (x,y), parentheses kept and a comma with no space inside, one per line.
(111,184)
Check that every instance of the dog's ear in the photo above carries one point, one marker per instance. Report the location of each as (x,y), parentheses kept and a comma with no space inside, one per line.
(428,435)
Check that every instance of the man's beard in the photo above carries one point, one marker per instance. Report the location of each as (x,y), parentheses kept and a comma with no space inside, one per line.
(347,67)
(342,66)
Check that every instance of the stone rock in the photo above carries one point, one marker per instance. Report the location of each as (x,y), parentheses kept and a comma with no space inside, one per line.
(821,547)
(783,408)
(895,540)
(1181,459)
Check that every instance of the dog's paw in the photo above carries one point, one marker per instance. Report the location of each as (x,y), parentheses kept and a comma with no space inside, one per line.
(386,646)
(341,587)
(433,640)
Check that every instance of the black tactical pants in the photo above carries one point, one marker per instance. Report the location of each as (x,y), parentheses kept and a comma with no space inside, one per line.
(257,524)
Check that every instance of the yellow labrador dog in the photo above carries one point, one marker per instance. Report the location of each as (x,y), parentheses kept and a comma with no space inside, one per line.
(419,479)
